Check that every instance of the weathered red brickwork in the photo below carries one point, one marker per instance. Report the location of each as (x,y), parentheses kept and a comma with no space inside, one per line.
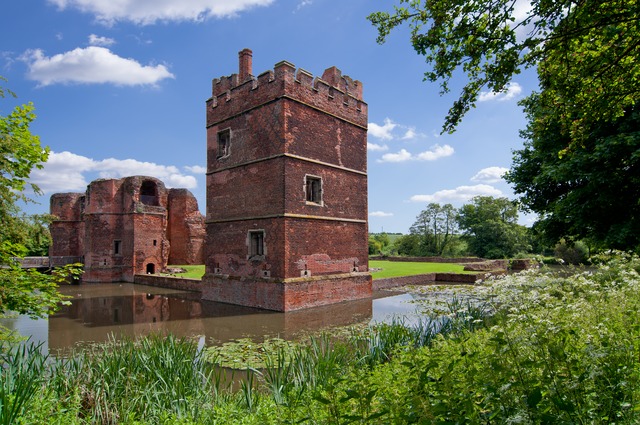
(123,227)
(286,166)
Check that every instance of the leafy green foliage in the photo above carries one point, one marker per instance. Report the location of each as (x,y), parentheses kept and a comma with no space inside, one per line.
(436,226)
(591,191)
(590,49)
(24,291)
(491,226)
(379,243)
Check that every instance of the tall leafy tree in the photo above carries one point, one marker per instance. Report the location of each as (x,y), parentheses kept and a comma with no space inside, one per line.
(594,45)
(491,227)
(22,291)
(591,192)
(436,226)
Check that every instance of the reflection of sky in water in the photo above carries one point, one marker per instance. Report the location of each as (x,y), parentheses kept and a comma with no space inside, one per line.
(403,305)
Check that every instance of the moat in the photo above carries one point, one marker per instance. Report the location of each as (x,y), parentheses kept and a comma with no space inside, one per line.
(101,311)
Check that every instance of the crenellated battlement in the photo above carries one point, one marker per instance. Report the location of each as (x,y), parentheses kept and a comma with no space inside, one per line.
(333,92)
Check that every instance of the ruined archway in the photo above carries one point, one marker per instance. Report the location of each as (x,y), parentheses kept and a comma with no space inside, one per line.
(151,268)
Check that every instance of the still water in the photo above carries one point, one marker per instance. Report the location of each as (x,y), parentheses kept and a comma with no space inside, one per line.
(102,311)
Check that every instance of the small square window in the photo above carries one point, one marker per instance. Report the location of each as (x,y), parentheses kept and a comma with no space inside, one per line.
(117,247)
(224,142)
(313,189)
(256,243)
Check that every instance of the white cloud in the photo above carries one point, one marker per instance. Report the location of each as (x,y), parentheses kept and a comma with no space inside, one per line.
(91,65)
(401,156)
(376,147)
(95,40)
(196,169)
(380,214)
(489,175)
(66,171)
(146,12)
(382,131)
(434,153)
(459,194)
(512,90)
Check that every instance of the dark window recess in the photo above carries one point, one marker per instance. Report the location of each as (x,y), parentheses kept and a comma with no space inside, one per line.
(117,247)
(155,242)
(224,142)
(149,193)
(256,243)
(313,189)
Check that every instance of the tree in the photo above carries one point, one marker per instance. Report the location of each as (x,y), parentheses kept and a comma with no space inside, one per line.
(592,44)
(378,243)
(592,191)
(491,227)
(436,226)
(22,291)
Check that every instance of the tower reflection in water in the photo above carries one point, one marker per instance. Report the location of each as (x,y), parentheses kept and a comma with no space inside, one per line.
(100,311)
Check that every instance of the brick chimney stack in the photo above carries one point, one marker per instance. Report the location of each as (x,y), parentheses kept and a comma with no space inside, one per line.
(245,64)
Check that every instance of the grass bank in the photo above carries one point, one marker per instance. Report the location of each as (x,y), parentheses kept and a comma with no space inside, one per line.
(384,269)
(541,348)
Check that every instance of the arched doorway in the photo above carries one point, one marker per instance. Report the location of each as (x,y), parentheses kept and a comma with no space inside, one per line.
(151,268)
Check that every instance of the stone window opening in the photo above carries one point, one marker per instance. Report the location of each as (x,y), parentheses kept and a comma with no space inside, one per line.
(117,247)
(224,144)
(313,189)
(256,244)
(155,242)
(151,268)
(149,193)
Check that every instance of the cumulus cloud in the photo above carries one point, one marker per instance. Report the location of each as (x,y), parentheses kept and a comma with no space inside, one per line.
(512,90)
(380,214)
(95,40)
(489,175)
(146,12)
(386,131)
(68,172)
(459,194)
(376,147)
(383,132)
(91,65)
(196,169)
(434,153)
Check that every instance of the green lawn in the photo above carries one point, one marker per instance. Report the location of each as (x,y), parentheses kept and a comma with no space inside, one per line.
(193,271)
(389,269)
(401,268)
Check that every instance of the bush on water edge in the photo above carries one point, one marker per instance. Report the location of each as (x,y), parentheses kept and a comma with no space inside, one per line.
(555,349)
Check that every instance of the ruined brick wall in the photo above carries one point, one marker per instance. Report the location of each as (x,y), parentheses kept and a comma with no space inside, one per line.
(186,230)
(67,231)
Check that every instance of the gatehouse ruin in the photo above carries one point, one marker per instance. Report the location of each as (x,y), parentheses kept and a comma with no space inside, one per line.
(122,227)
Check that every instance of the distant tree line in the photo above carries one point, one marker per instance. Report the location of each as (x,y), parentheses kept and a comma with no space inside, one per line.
(486,227)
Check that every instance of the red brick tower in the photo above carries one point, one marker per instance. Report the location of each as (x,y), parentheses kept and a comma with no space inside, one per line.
(286,189)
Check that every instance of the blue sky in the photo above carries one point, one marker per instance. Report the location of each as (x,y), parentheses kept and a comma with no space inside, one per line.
(119,89)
